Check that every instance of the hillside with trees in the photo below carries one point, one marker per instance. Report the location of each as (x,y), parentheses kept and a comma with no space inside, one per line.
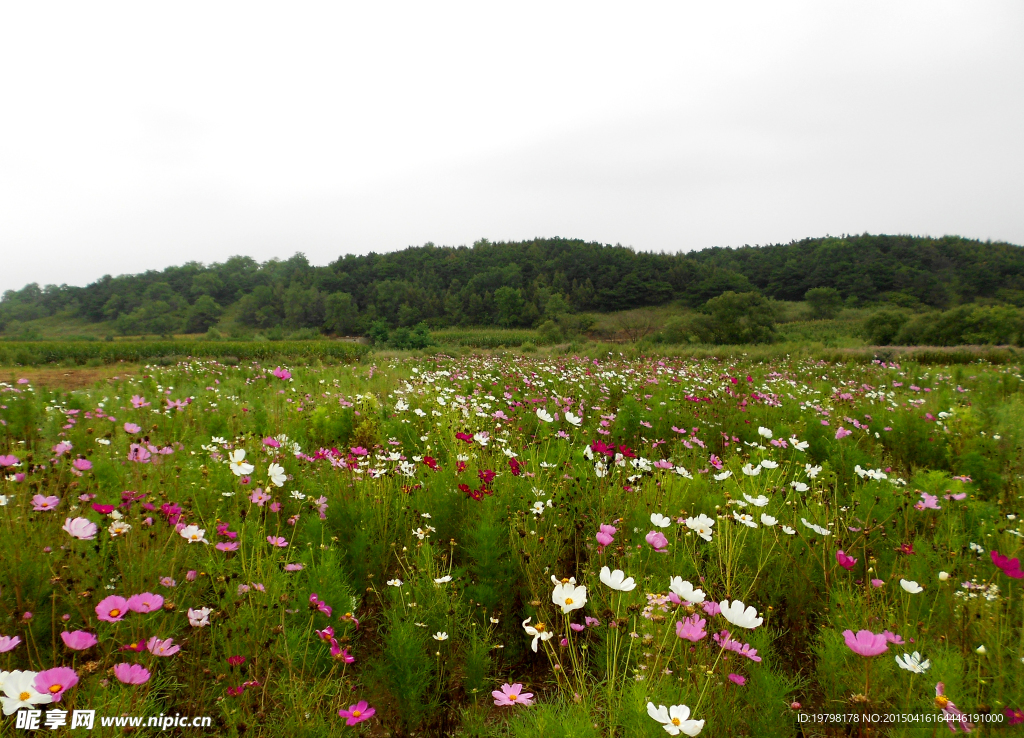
(528,283)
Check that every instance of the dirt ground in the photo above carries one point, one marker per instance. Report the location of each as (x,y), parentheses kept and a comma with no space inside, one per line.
(62,378)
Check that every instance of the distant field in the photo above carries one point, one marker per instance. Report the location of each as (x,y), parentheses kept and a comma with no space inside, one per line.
(485,337)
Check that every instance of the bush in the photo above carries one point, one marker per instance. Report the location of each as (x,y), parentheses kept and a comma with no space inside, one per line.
(881,328)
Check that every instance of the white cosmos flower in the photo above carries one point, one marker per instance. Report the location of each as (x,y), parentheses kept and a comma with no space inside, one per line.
(617,580)
(675,719)
(556,581)
(759,501)
(751,471)
(118,528)
(218,439)
(739,614)
(194,534)
(199,618)
(723,476)
(572,419)
(538,508)
(912,662)
(277,475)
(395,582)
(681,471)
(588,453)
(440,636)
(539,632)
(660,520)
(236,460)
(911,586)
(747,520)
(443,580)
(569,597)
(544,415)
(701,525)
(812,471)
(816,528)
(769,464)
(19,691)
(798,445)
(104,441)
(685,591)
(799,486)
(788,531)
(768,519)
(764,432)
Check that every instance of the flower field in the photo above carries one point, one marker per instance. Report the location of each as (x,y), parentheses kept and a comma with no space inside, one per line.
(518,546)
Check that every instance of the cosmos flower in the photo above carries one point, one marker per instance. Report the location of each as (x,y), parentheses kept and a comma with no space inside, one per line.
(236,460)
(81,528)
(194,534)
(617,580)
(740,615)
(131,673)
(112,609)
(675,719)
(657,541)
(165,647)
(538,631)
(277,475)
(912,662)
(911,586)
(866,643)
(19,691)
(569,597)
(357,713)
(78,640)
(685,591)
(9,643)
(145,602)
(55,682)
(512,694)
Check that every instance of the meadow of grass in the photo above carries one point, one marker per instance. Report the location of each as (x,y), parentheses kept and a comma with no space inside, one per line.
(696,544)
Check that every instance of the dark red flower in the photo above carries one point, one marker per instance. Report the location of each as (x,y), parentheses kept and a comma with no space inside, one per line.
(515,467)
(236,660)
(103,509)
(431,462)
(464,437)
(486,476)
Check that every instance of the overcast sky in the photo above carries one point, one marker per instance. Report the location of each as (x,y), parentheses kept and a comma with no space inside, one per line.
(135,136)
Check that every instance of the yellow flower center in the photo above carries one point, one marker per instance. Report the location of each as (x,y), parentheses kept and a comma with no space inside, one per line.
(941,701)
(539,627)
(24,696)
(568,600)
(675,721)
(115,612)
(55,688)
(513,697)
(356,713)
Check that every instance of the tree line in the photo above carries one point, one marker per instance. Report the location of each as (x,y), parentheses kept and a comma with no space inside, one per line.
(541,282)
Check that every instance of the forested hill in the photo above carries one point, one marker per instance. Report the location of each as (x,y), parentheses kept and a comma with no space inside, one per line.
(517,283)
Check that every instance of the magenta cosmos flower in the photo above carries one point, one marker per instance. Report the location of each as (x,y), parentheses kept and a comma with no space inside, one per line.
(131,674)
(55,681)
(955,717)
(82,464)
(866,643)
(692,628)
(9,643)
(278,541)
(357,713)
(844,560)
(657,541)
(81,528)
(78,640)
(112,609)
(1009,567)
(41,504)
(145,602)
(604,535)
(512,694)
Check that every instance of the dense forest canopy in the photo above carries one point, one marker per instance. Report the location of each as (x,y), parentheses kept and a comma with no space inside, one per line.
(523,283)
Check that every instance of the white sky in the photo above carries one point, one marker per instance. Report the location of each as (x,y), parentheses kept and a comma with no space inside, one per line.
(135,136)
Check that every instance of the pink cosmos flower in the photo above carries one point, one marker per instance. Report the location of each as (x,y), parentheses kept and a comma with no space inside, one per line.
(604,535)
(112,609)
(168,582)
(259,497)
(82,464)
(293,567)
(845,561)
(512,694)
(227,546)
(139,454)
(737,679)
(955,717)
(692,628)
(6,461)
(877,583)
(145,602)
(41,504)
(711,607)
(357,713)
(341,654)
(9,643)
(892,638)
(278,541)
(1009,567)
(78,640)
(930,502)
(843,433)
(62,448)
(80,528)
(131,674)
(54,682)
(282,373)
(866,643)
(657,541)
(131,428)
